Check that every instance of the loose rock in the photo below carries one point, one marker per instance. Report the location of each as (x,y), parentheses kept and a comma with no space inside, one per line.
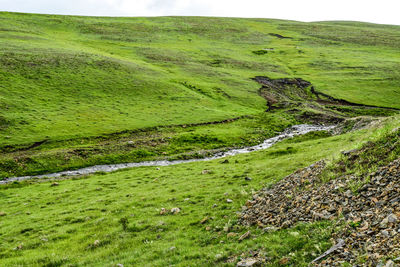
(370,214)
(244,236)
(163,211)
(284,261)
(204,220)
(231,235)
(392,218)
(175,210)
(247,262)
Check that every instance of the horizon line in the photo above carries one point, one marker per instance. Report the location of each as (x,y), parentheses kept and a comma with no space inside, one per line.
(199,16)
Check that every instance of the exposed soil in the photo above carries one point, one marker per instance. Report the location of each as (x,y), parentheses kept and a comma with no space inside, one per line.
(312,117)
(286,92)
(279,92)
(299,98)
(279,36)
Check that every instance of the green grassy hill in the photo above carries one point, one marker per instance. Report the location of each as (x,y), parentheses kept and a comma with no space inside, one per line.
(110,219)
(80,91)
(65,77)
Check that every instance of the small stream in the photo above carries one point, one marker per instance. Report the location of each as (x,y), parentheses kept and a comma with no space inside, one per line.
(288,133)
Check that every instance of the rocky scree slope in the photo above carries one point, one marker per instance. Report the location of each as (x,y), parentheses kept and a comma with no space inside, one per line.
(366,207)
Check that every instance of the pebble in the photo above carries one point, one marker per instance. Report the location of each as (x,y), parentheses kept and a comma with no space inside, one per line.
(229,200)
(247,263)
(231,234)
(175,210)
(392,218)
(270,229)
(204,220)
(245,235)
(385,233)
(384,223)
(284,261)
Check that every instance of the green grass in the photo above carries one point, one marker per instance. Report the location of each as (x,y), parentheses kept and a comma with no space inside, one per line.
(79,91)
(58,225)
(159,143)
(68,77)
(77,82)
(368,158)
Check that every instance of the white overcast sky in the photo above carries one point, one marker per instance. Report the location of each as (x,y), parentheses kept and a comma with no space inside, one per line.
(378,11)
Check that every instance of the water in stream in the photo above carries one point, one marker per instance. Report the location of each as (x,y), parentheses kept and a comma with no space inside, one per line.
(288,133)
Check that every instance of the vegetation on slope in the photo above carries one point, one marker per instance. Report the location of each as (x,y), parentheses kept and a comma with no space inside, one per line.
(65,77)
(61,220)
(79,91)
(365,205)
(289,101)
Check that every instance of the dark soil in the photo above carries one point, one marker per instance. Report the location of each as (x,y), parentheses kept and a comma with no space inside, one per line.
(280,36)
(296,94)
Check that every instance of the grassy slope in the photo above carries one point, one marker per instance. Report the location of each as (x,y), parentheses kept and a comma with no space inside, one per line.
(160,143)
(65,77)
(74,77)
(59,225)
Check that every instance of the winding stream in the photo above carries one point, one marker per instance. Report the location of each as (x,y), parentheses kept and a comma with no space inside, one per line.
(288,133)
